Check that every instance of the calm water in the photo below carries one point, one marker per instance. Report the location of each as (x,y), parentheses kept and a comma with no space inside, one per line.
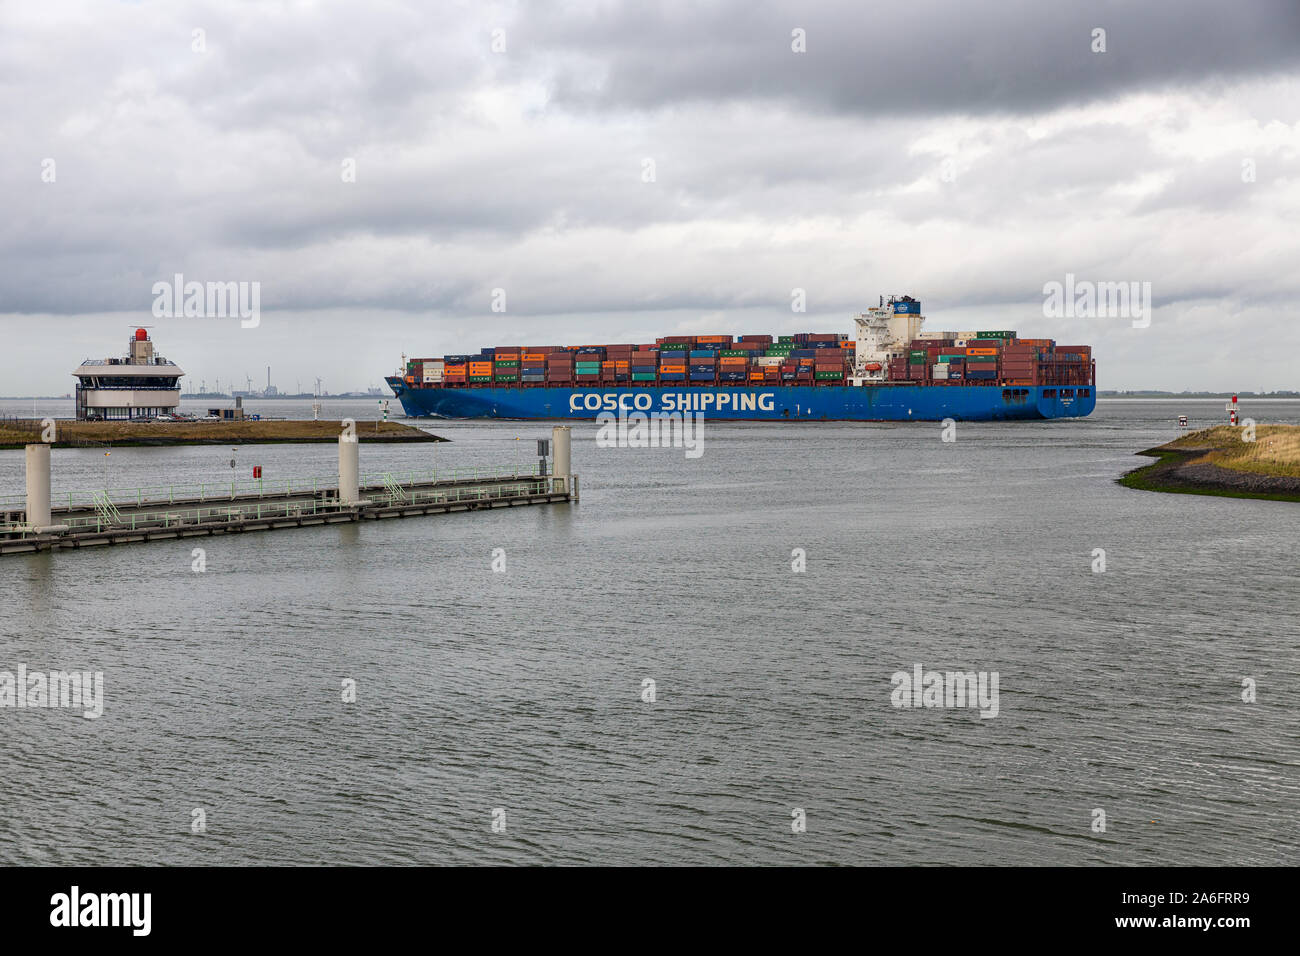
(522,690)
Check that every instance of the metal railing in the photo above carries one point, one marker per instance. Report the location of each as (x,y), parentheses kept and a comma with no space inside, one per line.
(209,517)
(105,509)
(262,487)
(524,489)
(395,492)
(23,426)
(106,521)
(201,517)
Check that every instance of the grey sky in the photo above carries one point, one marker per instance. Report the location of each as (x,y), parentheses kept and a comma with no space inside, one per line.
(963,153)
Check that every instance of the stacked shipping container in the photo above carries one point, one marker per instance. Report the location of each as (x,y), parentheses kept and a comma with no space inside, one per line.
(811,359)
(991,358)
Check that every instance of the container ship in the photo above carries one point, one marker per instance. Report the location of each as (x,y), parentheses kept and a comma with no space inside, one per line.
(889,370)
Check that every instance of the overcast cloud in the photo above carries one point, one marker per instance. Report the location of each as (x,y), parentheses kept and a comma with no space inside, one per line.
(962,153)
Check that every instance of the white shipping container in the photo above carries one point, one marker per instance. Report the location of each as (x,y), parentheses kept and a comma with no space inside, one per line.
(959,343)
(769,360)
(432,377)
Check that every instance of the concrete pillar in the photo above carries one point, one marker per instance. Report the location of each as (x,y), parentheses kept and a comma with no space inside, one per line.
(349,470)
(38,486)
(560,445)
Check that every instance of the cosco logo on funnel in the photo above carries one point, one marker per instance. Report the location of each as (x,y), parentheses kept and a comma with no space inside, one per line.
(672,402)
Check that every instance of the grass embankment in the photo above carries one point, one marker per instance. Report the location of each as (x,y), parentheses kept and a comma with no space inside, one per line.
(73,433)
(1216,461)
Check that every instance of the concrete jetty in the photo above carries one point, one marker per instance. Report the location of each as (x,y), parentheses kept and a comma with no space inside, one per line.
(40,522)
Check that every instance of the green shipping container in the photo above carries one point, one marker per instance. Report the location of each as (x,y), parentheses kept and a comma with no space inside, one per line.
(783,339)
(995,335)
(508,364)
(480,378)
(643,376)
(827,375)
(981,358)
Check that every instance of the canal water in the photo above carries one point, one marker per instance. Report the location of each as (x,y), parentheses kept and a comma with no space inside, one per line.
(646,678)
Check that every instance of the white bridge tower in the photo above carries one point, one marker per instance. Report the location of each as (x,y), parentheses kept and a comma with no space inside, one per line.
(883,333)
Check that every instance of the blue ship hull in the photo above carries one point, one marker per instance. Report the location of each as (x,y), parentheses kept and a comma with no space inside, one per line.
(873,403)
